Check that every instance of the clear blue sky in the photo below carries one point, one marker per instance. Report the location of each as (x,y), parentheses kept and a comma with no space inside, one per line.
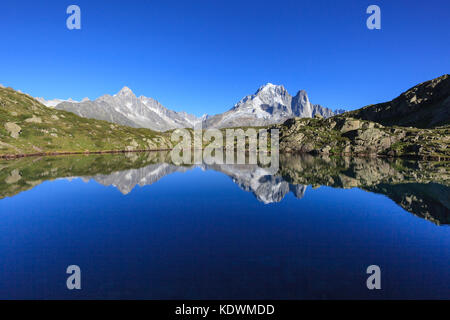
(202,56)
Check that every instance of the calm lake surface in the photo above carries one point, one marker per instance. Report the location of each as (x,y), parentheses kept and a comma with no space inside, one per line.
(141,227)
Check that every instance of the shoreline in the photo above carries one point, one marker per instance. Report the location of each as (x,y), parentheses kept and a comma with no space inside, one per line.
(62,153)
(364,155)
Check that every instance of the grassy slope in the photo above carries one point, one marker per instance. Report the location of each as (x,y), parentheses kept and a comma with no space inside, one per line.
(48,130)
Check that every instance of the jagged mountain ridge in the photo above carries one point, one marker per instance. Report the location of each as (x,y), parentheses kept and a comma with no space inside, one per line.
(54,102)
(126,109)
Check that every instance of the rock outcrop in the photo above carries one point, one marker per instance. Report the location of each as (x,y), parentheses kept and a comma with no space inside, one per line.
(341,135)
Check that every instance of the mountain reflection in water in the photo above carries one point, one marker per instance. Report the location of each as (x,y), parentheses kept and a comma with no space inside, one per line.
(422,188)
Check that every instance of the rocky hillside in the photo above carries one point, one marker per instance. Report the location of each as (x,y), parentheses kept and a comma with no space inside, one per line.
(341,135)
(29,127)
(426,105)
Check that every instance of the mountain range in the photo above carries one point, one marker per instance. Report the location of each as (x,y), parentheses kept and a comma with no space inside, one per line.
(54,102)
(269,105)
(126,109)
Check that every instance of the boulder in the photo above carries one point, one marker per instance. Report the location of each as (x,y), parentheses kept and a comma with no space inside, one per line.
(325,149)
(350,125)
(34,119)
(13,177)
(13,129)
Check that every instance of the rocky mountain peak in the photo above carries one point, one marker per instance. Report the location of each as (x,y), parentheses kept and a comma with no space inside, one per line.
(302,96)
(125,92)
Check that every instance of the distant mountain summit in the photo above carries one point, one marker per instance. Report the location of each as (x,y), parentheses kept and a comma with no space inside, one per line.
(126,109)
(425,105)
(270,104)
(54,102)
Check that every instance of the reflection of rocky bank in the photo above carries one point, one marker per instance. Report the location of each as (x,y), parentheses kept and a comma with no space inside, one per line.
(421,188)
(430,201)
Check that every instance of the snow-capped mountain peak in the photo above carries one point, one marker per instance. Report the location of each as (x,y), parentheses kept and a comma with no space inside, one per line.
(270,87)
(270,104)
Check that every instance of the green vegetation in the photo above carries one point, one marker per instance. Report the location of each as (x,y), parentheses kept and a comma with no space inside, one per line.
(28,127)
